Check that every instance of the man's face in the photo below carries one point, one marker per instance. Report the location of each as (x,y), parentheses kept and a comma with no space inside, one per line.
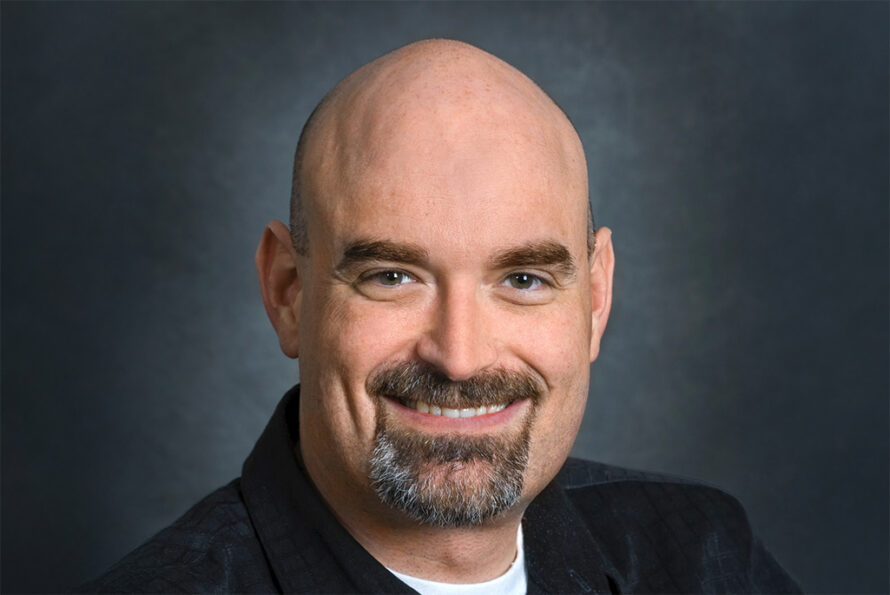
(447,269)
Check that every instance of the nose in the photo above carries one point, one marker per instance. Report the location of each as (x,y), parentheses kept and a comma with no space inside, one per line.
(458,341)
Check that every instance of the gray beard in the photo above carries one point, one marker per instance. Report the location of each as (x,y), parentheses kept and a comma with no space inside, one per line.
(449,481)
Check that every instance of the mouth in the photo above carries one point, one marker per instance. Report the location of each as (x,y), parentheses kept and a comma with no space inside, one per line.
(436,420)
(424,399)
(424,407)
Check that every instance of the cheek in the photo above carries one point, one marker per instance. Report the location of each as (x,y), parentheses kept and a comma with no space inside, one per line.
(553,433)
(341,345)
(329,407)
(362,335)
(555,342)
(557,347)
(348,339)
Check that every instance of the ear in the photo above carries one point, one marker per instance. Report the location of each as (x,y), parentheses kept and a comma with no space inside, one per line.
(602,267)
(281,284)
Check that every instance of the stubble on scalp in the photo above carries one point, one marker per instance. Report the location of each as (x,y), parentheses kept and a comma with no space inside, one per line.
(452,480)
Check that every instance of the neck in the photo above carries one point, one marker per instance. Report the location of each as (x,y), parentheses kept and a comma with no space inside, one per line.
(468,555)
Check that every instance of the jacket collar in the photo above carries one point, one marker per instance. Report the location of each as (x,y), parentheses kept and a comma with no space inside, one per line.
(291,518)
(561,554)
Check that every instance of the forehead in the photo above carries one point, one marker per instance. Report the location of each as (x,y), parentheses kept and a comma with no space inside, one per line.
(474,152)
(464,196)
(473,184)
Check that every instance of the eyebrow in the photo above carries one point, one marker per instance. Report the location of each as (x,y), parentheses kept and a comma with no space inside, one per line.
(545,253)
(365,251)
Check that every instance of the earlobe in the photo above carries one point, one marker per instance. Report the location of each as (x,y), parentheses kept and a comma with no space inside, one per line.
(602,268)
(281,284)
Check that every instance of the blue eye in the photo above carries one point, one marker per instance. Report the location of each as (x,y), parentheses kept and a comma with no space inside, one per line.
(523,281)
(388,278)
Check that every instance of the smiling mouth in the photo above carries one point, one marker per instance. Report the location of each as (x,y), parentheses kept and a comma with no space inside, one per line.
(424,407)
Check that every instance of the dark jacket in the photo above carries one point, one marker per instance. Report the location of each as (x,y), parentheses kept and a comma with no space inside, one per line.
(594,529)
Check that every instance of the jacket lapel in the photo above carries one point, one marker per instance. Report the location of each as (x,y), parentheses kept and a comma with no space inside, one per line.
(561,554)
(308,550)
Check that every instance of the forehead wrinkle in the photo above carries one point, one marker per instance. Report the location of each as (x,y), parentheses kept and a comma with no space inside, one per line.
(546,253)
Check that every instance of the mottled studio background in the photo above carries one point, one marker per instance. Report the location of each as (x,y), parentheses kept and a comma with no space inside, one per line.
(739,151)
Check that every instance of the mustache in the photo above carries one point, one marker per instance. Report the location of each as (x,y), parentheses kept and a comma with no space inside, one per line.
(413,381)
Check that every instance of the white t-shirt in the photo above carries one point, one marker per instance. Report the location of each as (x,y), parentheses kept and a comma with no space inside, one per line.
(512,582)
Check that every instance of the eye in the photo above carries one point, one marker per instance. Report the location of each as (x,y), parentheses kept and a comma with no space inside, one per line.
(523,281)
(389,278)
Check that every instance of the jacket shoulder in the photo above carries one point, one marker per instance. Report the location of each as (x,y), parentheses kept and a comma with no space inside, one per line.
(211,548)
(578,473)
(669,534)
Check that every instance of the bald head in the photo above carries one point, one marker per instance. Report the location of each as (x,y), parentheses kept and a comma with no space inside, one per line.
(440,216)
(434,96)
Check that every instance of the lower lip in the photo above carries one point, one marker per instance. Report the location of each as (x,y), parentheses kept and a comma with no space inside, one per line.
(440,423)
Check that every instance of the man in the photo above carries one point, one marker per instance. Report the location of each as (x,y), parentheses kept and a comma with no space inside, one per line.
(444,289)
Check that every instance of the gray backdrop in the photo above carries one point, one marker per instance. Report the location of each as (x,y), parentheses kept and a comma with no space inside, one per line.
(738,151)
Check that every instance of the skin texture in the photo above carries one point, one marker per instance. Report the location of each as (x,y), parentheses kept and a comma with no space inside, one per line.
(433,178)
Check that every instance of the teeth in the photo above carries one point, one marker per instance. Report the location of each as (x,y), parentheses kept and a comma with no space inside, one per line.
(425,407)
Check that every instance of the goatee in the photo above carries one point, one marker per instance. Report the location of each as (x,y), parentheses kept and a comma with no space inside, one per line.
(450,480)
